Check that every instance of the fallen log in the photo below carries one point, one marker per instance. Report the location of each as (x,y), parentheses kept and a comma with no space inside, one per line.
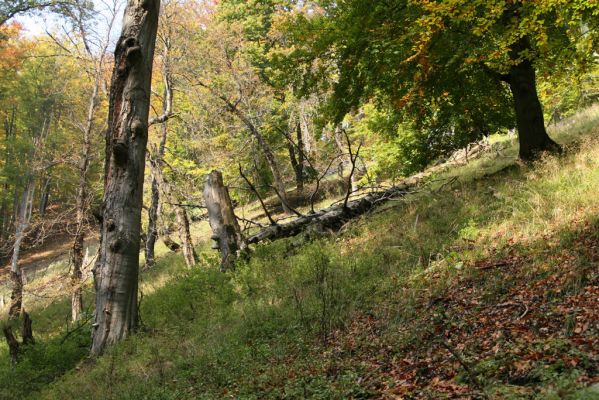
(331,218)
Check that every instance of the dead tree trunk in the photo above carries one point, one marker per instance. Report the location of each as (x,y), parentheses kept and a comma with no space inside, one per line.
(226,232)
(116,271)
(330,218)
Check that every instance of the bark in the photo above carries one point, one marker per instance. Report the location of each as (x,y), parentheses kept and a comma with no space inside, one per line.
(532,135)
(116,271)
(226,232)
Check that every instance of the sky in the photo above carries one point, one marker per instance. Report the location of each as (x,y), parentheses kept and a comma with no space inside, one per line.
(36,25)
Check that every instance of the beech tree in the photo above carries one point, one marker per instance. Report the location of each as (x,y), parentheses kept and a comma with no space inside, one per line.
(116,271)
(431,58)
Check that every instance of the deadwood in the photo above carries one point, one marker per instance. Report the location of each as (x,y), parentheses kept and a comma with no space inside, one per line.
(331,218)
(226,233)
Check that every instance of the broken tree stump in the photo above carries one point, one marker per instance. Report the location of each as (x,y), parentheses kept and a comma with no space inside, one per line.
(226,233)
(26,330)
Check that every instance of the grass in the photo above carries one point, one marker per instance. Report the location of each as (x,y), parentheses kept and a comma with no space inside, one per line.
(371,311)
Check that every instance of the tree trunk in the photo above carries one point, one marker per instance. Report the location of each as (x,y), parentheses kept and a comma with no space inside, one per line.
(116,271)
(342,148)
(82,207)
(156,160)
(532,136)
(189,253)
(27,330)
(297,160)
(44,197)
(22,223)
(226,232)
(308,138)
(152,234)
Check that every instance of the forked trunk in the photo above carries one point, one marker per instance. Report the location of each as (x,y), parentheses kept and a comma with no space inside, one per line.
(117,268)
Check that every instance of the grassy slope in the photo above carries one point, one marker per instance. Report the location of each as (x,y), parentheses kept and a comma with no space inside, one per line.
(484,283)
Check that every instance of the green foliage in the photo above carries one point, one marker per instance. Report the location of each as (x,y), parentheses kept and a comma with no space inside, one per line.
(437,64)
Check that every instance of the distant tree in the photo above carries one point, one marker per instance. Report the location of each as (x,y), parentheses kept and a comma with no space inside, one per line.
(116,271)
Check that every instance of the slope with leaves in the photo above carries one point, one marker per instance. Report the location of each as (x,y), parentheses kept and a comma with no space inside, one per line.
(482,284)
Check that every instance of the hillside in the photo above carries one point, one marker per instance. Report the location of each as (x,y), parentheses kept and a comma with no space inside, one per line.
(467,288)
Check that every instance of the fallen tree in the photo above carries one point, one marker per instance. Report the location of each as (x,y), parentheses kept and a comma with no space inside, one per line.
(331,218)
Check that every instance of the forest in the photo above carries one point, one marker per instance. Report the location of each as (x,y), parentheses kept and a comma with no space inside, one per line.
(293,199)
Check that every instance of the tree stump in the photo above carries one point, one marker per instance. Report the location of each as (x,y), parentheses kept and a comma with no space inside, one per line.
(27,331)
(226,233)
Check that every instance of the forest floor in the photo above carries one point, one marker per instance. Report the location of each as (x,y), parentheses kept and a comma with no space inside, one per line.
(482,284)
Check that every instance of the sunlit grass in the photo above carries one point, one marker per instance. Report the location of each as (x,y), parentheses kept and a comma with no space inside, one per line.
(251,334)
